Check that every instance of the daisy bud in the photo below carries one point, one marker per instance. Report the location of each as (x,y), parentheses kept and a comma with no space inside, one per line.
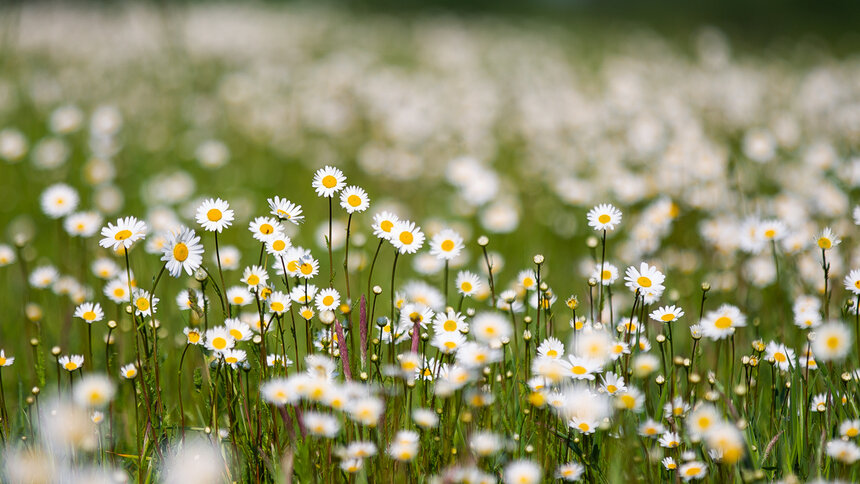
(200,275)
(56,351)
(377,290)
(483,241)
(539,259)
(706,286)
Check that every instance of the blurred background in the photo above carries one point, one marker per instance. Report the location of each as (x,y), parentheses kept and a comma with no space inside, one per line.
(499,117)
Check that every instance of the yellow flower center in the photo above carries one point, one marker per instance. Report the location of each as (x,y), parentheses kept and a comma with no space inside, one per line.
(769,233)
(406,237)
(450,345)
(236,334)
(2,360)
(266,229)
(253,280)
(852,432)
(643,281)
(552,353)
(71,366)
(180,252)
(353,200)
(386,225)
(142,304)
(604,218)
(306,268)
(277,306)
(667,317)
(832,342)
(628,401)
(692,471)
(606,275)
(279,245)
(130,373)
(447,245)
(231,359)
(89,316)
(213,215)
(193,336)
(579,370)
(219,343)
(95,397)
(723,322)
(611,388)
(466,286)
(584,427)
(307,314)
(825,243)
(449,325)
(528,282)
(329,181)
(122,234)
(779,357)
(328,300)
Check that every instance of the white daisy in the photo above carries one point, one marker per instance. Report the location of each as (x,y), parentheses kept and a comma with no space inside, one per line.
(604,217)
(214,215)
(264,228)
(126,232)
(354,199)
(406,237)
(90,312)
(59,200)
(182,251)
(446,244)
(328,181)
(286,210)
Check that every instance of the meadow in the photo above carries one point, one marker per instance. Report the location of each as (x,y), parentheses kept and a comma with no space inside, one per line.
(295,244)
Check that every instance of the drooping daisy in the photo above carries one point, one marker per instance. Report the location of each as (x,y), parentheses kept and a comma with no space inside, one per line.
(128,371)
(255,277)
(72,362)
(354,199)
(182,251)
(604,217)
(219,339)
(782,356)
(123,234)
(667,314)
(826,239)
(468,283)
(721,323)
(446,244)
(59,200)
(214,215)
(286,210)
(383,222)
(608,276)
(6,360)
(646,278)
(406,237)
(141,302)
(852,281)
(327,300)
(264,228)
(82,224)
(832,341)
(90,312)
(551,348)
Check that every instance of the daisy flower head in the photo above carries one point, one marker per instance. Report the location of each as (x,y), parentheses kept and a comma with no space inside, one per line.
(450,322)
(141,302)
(321,424)
(570,472)
(191,298)
(832,341)
(193,336)
(645,279)
(82,224)
(667,314)
(354,199)
(406,237)
(583,368)
(383,223)
(692,470)
(852,281)
(845,452)
(229,257)
(238,330)
(522,472)
(182,252)
(613,383)
(782,356)
(850,428)
(264,228)
(527,279)
(286,210)
(128,371)
(255,277)
(468,283)
(90,312)
(279,302)
(308,267)
(448,342)
(721,323)
(94,391)
(826,239)
(608,276)
(604,217)
(446,244)
(123,234)
(328,181)
(59,200)
(278,245)
(669,463)
(7,255)
(219,339)
(773,230)
(71,362)
(670,440)
(551,348)
(280,391)
(491,327)
(651,428)
(6,360)
(327,300)
(214,215)
(234,357)
(239,296)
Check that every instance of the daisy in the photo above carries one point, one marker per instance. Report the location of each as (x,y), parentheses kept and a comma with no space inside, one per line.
(182,251)
(82,224)
(239,296)
(308,267)
(604,217)
(234,357)
(475,355)
(669,464)
(527,279)
(782,356)
(219,339)
(721,323)
(852,281)
(7,255)
(6,360)
(491,328)
(351,466)
(414,313)
(306,312)
(214,215)
(630,399)
(264,228)
(832,341)
(383,222)
(702,419)
(677,407)
(43,276)
(692,470)
(190,298)
(105,268)
(612,383)
(818,403)
(450,322)
(255,277)
(670,440)
(278,245)
(646,278)
(850,428)
(667,314)
(448,342)
(651,428)
(279,302)
(328,181)
(827,239)
(406,237)
(128,371)
(279,361)
(522,472)
(320,424)
(570,472)
(237,329)
(90,312)
(327,300)
(117,291)
(72,362)
(279,391)
(773,230)
(354,199)
(59,200)
(583,368)
(229,257)
(286,210)
(608,276)
(93,391)
(142,305)
(193,336)
(126,232)
(551,348)
(446,244)
(468,283)
(303,294)
(845,452)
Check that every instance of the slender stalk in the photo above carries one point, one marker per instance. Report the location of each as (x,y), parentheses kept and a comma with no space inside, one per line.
(600,279)
(221,274)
